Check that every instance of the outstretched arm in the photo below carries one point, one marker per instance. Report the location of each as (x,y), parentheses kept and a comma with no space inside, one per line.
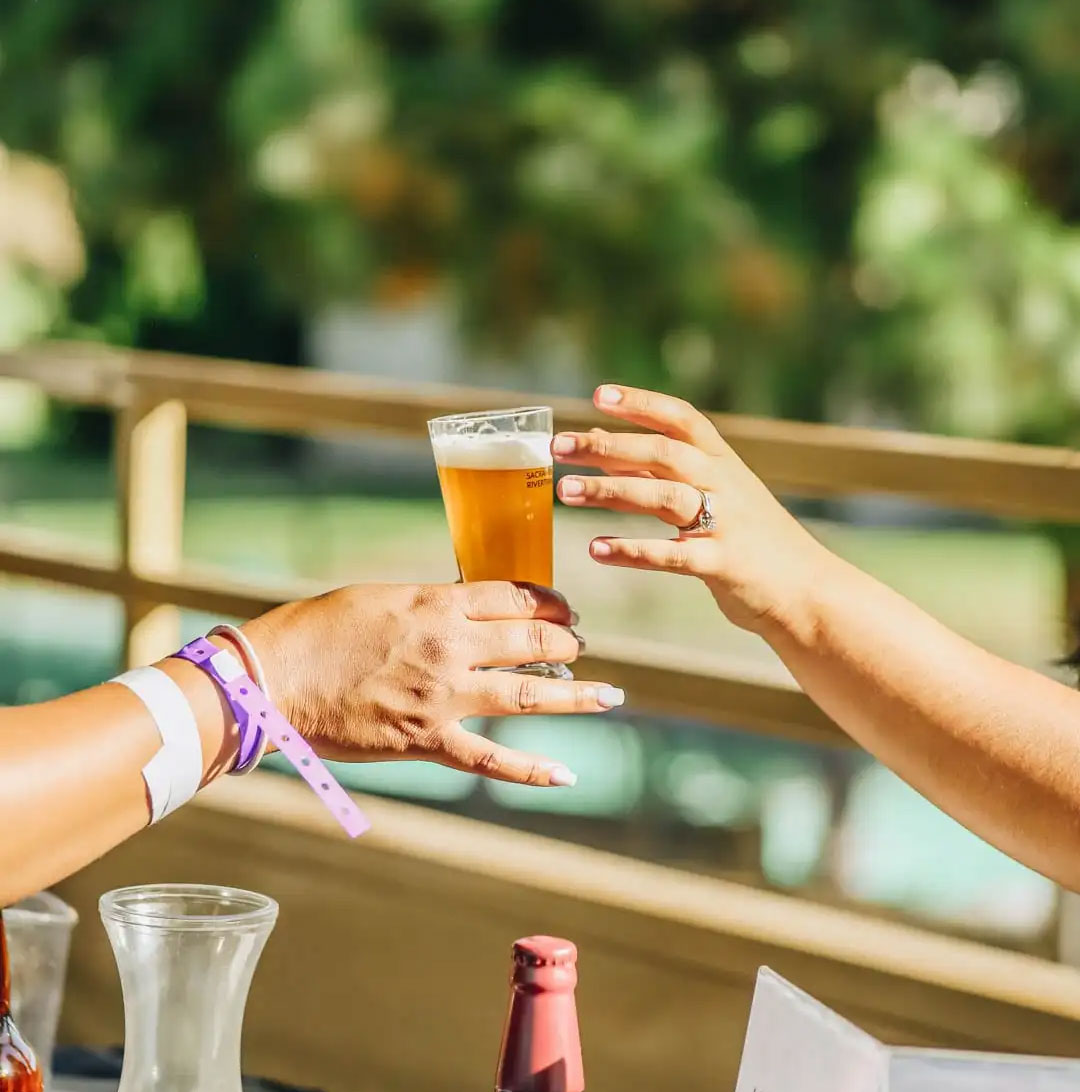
(995,745)
(366,673)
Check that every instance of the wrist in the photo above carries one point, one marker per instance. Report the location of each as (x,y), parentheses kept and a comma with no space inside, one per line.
(268,635)
(219,735)
(293,641)
(797,611)
(261,720)
(228,643)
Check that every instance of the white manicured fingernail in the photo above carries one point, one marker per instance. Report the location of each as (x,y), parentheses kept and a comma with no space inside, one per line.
(562,777)
(610,697)
(609,396)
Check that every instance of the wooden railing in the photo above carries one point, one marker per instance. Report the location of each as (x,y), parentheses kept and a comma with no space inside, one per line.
(426,900)
(154,396)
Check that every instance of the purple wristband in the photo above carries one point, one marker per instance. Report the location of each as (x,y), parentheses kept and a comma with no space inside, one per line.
(255,715)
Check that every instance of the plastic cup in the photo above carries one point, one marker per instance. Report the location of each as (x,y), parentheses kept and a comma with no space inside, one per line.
(39,937)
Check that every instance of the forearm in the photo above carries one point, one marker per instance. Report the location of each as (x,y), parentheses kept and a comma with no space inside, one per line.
(364,673)
(71,785)
(995,745)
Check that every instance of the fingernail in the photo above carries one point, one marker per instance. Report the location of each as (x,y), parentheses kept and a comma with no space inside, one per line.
(571,487)
(601,549)
(561,777)
(609,396)
(563,445)
(575,618)
(610,696)
(580,642)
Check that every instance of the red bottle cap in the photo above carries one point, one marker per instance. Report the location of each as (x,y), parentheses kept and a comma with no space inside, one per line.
(541,1049)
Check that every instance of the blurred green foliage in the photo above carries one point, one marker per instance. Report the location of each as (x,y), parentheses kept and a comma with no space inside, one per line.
(812,208)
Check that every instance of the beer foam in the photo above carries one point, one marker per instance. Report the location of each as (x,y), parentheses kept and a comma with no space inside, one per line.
(493,450)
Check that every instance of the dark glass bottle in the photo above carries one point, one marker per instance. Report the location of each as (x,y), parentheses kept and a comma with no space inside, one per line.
(18,1066)
(541,1047)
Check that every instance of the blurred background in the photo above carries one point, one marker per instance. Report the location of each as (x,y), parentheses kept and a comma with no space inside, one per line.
(822,210)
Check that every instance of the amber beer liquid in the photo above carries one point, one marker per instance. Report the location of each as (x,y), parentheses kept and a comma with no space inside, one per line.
(18,1066)
(497,489)
(541,1047)
(495,472)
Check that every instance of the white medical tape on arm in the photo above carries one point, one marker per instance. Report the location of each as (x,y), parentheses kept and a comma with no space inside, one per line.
(174,774)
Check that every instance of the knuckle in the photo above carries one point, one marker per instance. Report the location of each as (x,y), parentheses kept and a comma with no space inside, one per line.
(671,405)
(686,416)
(488,763)
(598,442)
(526,696)
(435,649)
(464,600)
(427,597)
(660,450)
(429,690)
(539,638)
(667,498)
(534,775)
(679,558)
(524,599)
(412,716)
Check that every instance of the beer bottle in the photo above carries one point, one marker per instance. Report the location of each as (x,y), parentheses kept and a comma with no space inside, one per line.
(541,1047)
(18,1067)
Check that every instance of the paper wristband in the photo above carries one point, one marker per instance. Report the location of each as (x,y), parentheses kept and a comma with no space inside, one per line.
(174,774)
(254,713)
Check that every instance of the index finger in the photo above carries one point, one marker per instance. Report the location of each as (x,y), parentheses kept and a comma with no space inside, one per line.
(497,600)
(663,413)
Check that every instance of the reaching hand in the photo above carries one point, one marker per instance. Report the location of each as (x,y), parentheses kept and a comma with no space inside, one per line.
(376,672)
(757,559)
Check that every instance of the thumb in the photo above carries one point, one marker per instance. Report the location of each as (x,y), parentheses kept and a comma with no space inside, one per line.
(465,750)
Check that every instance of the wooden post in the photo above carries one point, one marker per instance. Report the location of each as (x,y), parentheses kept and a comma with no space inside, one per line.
(151,450)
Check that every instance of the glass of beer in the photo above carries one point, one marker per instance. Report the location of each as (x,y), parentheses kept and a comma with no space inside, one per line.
(496,478)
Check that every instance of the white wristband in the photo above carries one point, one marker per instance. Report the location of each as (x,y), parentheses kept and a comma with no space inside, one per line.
(174,774)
